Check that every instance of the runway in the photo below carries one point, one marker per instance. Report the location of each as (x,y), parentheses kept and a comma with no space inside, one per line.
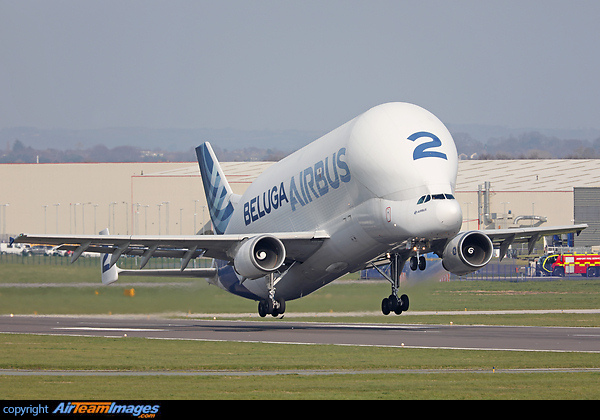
(500,338)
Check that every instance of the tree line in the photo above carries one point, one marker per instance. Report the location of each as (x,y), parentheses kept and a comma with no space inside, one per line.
(531,145)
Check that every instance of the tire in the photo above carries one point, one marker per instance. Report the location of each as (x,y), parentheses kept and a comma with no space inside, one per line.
(404,302)
(385,306)
(422,263)
(558,272)
(261,309)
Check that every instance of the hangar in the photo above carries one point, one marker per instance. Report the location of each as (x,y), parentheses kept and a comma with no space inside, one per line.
(168,198)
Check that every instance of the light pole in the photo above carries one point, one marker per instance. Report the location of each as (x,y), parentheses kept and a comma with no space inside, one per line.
(180,221)
(126,218)
(75,216)
(167,215)
(146,218)
(112,230)
(4,218)
(195,213)
(56,205)
(159,206)
(505,215)
(83,217)
(45,206)
(95,207)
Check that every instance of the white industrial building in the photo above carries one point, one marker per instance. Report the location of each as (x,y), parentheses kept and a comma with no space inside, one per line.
(168,198)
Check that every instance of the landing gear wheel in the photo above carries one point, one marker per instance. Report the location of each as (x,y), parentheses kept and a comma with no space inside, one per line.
(422,263)
(385,306)
(404,302)
(280,309)
(261,309)
(414,263)
(267,307)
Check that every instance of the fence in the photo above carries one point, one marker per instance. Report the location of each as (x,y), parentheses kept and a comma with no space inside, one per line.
(124,262)
(507,270)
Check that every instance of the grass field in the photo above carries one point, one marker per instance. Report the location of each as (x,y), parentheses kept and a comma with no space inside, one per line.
(478,382)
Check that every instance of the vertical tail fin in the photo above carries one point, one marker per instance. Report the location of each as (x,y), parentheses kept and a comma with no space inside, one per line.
(217,189)
(109,274)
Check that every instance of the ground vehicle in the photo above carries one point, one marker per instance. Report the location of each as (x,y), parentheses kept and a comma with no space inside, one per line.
(36,250)
(588,265)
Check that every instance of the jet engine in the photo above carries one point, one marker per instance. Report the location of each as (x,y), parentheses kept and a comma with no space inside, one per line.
(258,256)
(467,252)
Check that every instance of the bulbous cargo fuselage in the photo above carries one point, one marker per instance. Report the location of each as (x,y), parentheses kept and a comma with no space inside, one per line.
(384,177)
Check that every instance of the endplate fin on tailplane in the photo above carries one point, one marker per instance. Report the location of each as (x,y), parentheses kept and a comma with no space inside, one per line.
(110,273)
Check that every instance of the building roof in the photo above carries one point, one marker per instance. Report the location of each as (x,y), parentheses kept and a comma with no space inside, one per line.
(505,175)
(528,174)
(239,172)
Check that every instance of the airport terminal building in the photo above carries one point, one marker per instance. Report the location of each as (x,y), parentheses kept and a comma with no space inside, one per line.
(168,198)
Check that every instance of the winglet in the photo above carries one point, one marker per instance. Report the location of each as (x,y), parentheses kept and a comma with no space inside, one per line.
(217,189)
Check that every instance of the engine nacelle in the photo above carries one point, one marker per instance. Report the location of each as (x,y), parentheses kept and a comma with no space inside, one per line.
(467,252)
(258,256)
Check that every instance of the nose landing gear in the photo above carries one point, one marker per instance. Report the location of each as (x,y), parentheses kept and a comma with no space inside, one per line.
(418,262)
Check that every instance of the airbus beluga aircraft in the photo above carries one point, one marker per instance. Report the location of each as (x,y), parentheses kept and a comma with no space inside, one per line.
(377,190)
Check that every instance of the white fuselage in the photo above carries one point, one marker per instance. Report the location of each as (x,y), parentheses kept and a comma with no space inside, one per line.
(360,184)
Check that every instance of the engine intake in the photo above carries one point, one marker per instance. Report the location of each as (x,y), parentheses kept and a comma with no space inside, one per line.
(258,256)
(467,252)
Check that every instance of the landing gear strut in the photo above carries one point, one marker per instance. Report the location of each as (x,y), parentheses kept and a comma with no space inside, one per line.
(393,303)
(270,305)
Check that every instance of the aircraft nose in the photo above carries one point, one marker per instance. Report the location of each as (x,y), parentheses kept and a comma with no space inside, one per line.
(449,215)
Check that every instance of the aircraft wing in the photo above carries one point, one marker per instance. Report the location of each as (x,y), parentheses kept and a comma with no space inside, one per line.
(503,238)
(299,245)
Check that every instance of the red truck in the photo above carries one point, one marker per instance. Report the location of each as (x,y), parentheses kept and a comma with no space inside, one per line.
(588,265)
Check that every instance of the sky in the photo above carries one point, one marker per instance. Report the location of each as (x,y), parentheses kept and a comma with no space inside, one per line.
(296,65)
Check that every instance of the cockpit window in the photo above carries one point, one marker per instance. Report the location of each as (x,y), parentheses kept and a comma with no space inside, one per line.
(426,198)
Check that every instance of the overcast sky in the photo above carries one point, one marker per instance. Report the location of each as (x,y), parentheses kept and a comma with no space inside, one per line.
(308,65)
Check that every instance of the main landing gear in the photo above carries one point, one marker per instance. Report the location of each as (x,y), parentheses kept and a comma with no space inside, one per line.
(394,303)
(270,305)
